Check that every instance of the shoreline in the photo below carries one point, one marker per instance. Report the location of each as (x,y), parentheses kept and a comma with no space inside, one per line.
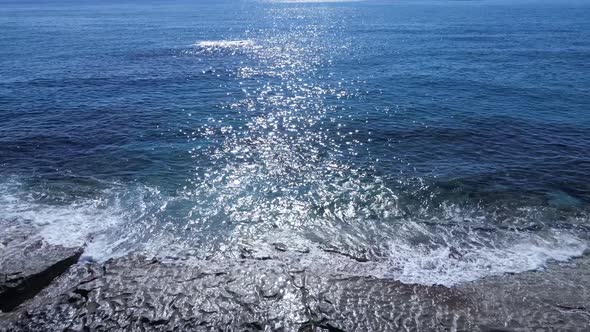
(57,291)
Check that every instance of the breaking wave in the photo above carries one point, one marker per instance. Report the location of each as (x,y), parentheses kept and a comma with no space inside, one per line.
(135,219)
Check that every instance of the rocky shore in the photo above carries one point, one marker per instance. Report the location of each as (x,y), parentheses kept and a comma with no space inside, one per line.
(47,288)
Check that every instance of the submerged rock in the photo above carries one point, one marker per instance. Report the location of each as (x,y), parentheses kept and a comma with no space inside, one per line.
(27,263)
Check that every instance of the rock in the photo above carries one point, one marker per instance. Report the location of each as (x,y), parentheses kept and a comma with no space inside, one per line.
(134,293)
(554,299)
(281,247)
(27,263)
(274,293)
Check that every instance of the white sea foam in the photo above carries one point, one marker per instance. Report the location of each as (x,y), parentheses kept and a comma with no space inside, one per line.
(94,223)
(409,263)
(449,266)
(122,220)
(212,45)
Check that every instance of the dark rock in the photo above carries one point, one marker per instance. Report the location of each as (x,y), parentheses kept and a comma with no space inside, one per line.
(485,328)
(27,263)
(280,247)
(275,293)
(134,293)
(359,258)
(129,294)
(555,299)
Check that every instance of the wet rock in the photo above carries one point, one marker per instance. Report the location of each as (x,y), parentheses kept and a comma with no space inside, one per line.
(250,294)
(554,299)
(359,257)
(280,247)
(27,263)
(131,294)
(370,304)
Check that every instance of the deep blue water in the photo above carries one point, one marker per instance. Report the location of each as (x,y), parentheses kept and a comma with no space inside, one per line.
(439,141)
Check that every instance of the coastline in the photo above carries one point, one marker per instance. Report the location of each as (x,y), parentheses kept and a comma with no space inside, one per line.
(265,293)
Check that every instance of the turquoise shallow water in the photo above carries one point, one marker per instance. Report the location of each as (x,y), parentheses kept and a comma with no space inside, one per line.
(433,142)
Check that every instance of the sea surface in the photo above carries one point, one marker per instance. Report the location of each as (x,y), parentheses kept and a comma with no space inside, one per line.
(432,142)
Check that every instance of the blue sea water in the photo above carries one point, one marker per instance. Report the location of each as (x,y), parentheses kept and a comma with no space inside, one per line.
(425,141)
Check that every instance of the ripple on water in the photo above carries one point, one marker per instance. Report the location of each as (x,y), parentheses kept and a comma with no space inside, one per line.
(278,175)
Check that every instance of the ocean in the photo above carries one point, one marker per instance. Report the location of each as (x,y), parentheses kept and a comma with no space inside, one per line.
(432,142)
